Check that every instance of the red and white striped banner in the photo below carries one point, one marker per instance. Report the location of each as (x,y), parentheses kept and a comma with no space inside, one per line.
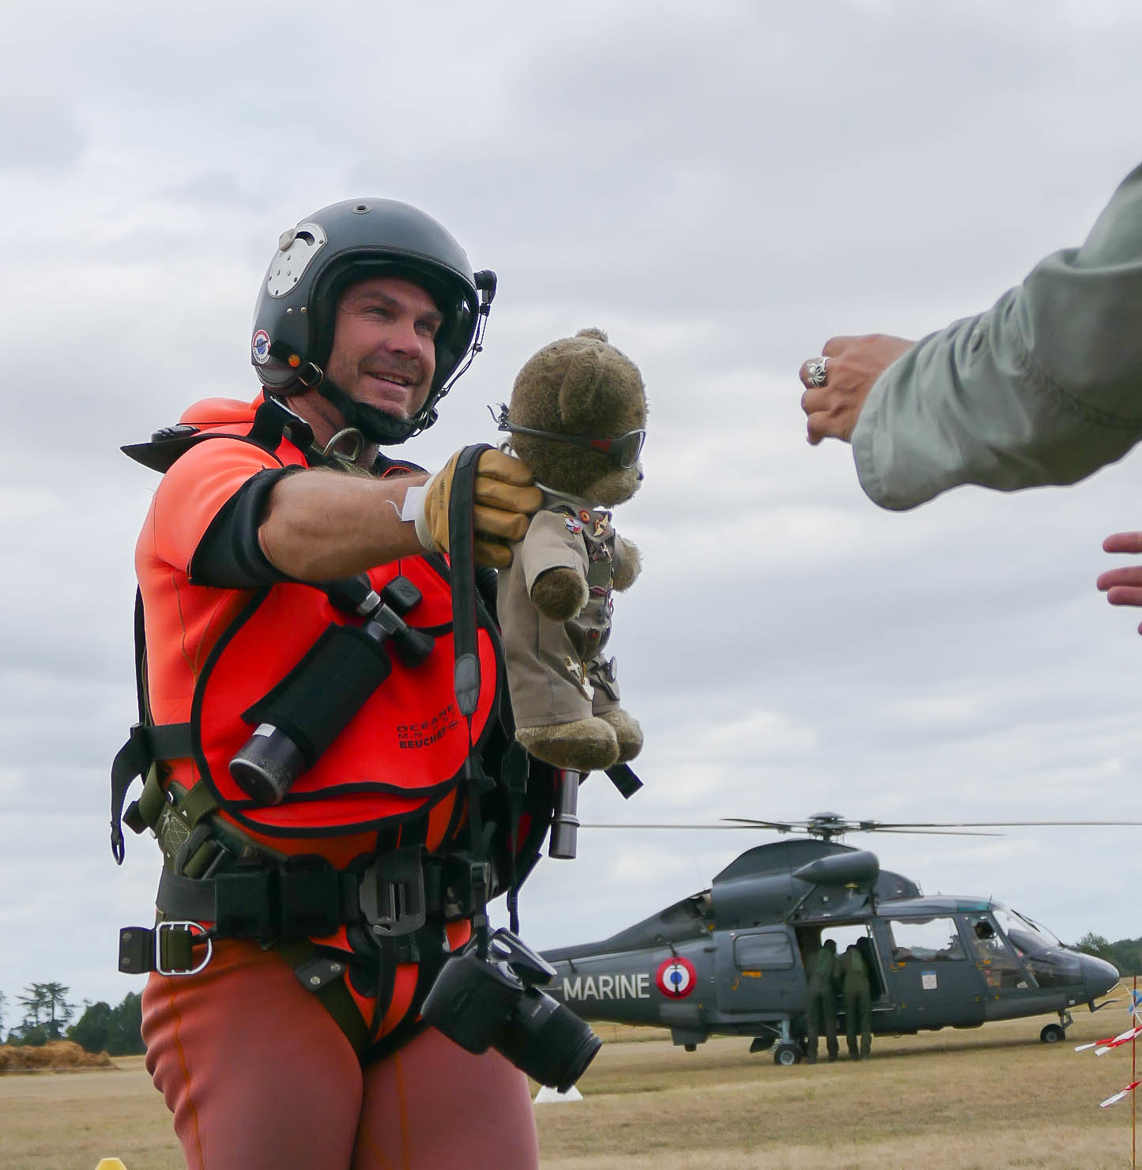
(1116,1097)
(1101,1046)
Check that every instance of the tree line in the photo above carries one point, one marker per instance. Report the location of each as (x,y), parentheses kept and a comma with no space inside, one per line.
(47,1014)
(1125,954)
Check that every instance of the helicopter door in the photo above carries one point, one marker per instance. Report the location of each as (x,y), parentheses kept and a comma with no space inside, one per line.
(759,970)
(931,977)
(1007,979)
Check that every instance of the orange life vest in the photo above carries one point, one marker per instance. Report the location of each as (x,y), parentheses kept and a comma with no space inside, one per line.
(214,653)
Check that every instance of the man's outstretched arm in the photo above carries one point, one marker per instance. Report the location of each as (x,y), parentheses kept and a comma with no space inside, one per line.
(1044,387)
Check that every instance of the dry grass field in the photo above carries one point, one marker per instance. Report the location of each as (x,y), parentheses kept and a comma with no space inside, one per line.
(989,1099)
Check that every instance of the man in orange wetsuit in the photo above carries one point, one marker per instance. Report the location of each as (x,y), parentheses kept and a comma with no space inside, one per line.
(297,1044)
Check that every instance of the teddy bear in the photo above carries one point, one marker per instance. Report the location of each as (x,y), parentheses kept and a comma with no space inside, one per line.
(577,419)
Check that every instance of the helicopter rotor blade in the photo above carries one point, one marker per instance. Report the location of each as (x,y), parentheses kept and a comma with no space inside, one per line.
(929,832)
(600,825)
(840,827)
(868,826)
(1030,824)
(780,826)
(764,825)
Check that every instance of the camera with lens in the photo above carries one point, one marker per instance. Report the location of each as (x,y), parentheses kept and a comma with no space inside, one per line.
(493,1002)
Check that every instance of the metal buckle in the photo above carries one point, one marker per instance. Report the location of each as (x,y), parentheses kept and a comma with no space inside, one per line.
(190,927)
(310,375)
(391,893)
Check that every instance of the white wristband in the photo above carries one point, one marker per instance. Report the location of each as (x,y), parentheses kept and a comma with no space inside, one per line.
(414,510)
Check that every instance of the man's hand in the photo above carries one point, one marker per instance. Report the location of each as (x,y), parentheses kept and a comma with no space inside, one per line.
(854,364)
(505,500)
(1123,586)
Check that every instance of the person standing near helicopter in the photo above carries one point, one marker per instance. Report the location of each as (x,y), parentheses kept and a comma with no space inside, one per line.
(822,1006)
(858,1002)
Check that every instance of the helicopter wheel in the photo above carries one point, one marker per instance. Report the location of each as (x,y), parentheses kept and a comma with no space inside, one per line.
(1052,1033)
(786,1055)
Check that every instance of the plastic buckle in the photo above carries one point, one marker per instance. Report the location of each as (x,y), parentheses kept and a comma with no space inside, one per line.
(189,927)
(392,894)
(468,884)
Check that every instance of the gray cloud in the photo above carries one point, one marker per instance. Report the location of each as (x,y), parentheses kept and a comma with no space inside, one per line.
(41,135)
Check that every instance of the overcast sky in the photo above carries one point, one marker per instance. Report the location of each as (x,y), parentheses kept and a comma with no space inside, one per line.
(722,187)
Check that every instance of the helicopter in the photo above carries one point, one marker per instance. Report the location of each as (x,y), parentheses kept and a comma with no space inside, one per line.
(733,959)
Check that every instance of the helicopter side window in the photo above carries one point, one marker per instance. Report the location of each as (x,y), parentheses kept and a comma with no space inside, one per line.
(925,940)
(763,952)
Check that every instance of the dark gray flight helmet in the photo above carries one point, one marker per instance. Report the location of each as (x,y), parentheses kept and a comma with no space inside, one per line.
(338,246)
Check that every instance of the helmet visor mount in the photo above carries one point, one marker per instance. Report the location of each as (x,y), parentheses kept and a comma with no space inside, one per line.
(297,248)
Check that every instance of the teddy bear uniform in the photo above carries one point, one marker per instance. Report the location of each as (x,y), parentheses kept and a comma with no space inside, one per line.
(558,673)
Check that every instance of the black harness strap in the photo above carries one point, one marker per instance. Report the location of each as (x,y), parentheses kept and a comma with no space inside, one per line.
(324,976)
(462,541)
(145,744)
(466,676)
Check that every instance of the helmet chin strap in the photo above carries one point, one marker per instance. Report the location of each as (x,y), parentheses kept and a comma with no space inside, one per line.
(377,426)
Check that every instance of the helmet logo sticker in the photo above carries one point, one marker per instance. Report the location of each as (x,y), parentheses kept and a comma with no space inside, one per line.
(296,249)
(260,347)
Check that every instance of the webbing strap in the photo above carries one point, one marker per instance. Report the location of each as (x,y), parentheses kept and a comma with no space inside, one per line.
(324,977)
(192,805)
(466,677)
(430,958)
(462,542)
(145,745)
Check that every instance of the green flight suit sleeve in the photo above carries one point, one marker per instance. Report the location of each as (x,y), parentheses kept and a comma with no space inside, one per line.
(1043,388)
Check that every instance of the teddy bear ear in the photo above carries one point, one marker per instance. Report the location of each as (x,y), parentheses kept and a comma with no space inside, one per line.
(578,394)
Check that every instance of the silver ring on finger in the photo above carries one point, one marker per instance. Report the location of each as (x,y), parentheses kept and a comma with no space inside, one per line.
(817,371)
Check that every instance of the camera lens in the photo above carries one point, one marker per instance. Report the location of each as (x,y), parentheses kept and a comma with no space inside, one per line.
(480,1004)
(548,1041)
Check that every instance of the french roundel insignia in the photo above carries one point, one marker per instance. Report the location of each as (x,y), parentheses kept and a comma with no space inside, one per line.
(676,977)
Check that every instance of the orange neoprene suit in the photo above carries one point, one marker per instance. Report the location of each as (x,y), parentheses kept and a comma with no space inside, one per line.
(254,1068)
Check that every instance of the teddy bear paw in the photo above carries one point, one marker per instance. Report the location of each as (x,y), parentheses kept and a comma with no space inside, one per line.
(586,745)
(559,593)
(627,733)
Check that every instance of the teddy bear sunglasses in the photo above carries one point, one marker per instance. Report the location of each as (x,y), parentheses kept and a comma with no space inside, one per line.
(623,450)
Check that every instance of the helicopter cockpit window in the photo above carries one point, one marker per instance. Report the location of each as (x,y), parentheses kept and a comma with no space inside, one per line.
(763,952)
(927,940)
(1028,936)
(1045,961)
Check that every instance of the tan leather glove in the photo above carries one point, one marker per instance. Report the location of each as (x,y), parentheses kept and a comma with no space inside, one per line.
(505,500)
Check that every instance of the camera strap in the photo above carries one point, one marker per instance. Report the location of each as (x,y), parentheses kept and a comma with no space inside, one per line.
(466,672)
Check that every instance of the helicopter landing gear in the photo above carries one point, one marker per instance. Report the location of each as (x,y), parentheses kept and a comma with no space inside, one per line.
(1053,1033)
(762,1043)
(786,1055)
